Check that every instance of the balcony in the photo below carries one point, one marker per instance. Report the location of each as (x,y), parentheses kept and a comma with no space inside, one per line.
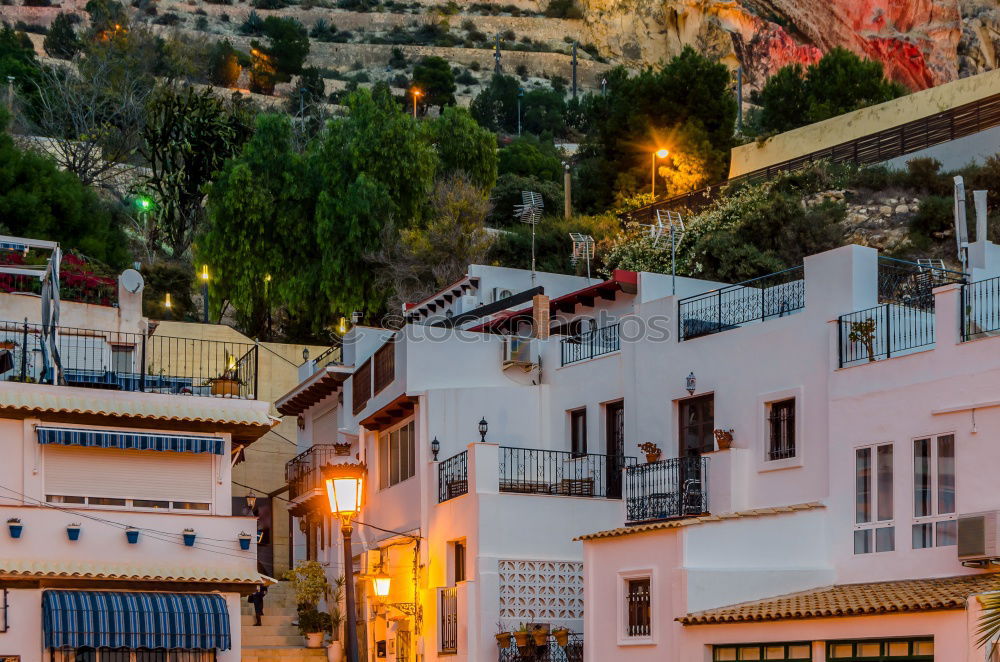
(550,651)
(304,473)
(114,360)
(453,477)
(561,473)
(591,344)
(775,295)
(981,309)
(668,489)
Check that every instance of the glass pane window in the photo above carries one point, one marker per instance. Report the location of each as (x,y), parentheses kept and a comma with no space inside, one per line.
(697,423)
(885,650)
(798,652)
(396,455)
(934,493)
(873,499)
(781,425)
(638,607)
(578,432)
(863,485)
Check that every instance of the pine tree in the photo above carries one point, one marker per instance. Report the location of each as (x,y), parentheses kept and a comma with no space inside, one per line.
(61,41)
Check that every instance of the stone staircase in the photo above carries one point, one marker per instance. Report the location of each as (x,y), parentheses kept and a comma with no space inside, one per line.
(276,639)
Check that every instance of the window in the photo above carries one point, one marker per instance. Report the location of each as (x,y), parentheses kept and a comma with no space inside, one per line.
(887,650)
(121,359)
(874,530)
(128,503)
(800,652)
(935,523)
(697,419)
(361,386)
(578,432)
(781,427)
(396,455)
(459,561)
(639,618)
(130,655)
(385,366)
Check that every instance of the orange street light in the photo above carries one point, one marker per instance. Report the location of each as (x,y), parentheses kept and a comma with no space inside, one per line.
(662,154)
(416,93)
(344,488)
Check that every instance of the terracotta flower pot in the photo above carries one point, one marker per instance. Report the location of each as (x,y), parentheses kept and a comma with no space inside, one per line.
(521,638)
(503,639)
(652,457)
(223,386)
(314,640)
(540,636)
(562,636)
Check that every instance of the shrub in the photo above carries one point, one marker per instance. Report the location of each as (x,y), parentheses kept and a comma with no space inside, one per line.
(224,18)
(31,27)
(37,3)
(563,9)
(466,78)
(169,18)
(522,71)
(475,66)
(323,30)
(400,80)
(269,4)
(397,60)
(253,24)
(924,174)
(509,35)
(935,214)
(468,25)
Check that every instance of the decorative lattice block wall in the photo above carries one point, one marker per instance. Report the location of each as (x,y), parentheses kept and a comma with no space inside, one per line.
(541,591)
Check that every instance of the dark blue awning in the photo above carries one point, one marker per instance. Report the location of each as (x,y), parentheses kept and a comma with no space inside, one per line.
(120,619)
(130,440)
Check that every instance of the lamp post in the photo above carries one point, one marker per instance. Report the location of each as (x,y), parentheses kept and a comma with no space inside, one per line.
(344,487)
(661,154)
(416,93)
(435,448)
(483,427)
(204,289)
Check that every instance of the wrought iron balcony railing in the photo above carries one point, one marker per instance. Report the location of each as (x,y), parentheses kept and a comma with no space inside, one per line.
(550,651)
(730,307)
(561,473)
(453,477)
(591,344)
(883,332)
(981,309)
(304,471)
(668,489)
(121,361)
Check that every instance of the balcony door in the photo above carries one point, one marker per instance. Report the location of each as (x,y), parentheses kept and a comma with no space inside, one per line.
(614,417)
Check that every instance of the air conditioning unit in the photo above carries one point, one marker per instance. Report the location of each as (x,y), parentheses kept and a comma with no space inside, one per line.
(469,302)
(979,537)
(518,351)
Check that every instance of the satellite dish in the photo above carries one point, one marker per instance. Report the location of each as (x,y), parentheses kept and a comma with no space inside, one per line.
(131,280)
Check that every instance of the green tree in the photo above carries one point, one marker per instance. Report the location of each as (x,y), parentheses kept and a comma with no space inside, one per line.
(530,156)
(464,147)
(544,111)
(188,137)
(61,41)
(433,76)
(507,193)
(40,201)
(17,59)
(106,16)
(783,101)
(495,108)
(308,92)
(224,64)
(287,46)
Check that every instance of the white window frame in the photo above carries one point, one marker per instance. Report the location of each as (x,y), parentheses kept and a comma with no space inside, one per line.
(622,599)
(936,516)
(874,523)
(764,402)
(130,505)
(412,420)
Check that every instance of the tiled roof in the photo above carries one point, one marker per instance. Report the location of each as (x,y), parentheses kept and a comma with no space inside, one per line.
(37,569)
(690,521)
(855,600)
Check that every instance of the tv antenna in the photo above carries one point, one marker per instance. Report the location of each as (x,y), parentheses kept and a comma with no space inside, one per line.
(672,223)
(583,249)
(530,212)
(961,225)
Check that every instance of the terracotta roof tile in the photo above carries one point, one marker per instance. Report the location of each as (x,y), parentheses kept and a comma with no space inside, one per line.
(855,600)
(690,521)
(164,572)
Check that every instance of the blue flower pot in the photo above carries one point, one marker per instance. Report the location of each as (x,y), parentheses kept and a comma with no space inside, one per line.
(132,536)
(73,533)
(245,543)
(189,539)
(15,530)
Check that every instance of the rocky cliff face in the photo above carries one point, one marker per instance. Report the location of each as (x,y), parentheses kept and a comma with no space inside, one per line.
(921,42)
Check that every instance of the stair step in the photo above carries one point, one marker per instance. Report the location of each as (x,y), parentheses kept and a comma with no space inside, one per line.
(282,654)
(268,619)
(274,640)
(269,629)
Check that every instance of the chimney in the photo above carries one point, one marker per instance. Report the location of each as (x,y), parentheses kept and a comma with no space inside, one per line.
(979,198)
(540,316)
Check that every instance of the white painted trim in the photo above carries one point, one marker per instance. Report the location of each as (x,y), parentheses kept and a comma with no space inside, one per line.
(764,400)
(974,406)
(621,597)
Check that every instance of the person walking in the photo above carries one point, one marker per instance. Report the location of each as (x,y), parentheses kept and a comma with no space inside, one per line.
(257,600)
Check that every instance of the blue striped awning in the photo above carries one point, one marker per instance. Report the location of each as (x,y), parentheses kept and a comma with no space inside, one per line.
(120,619)
(130,440)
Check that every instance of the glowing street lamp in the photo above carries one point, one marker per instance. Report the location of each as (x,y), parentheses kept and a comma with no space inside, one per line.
(381,582)
(416,93)
(658,154)
(204,289)
(344,488)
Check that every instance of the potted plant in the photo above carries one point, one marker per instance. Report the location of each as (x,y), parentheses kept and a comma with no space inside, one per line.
(15,527)
(864,333)
(651,450)
(723,439)
(244,540)
(226,384)
(540,634)
(73,531)
(503,637)
(313,624)
(521,635)
(561,636)
(189,537)
(132,535)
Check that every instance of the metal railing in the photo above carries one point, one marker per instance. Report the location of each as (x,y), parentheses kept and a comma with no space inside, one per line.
(877,147)
(591,344)
(453,476)
(561,473)
(551,651)
(304,471)
(981,309)
(911,284)
(755,300)
(448,611)
(884,331)
(329,356)
(127,361)
(668,489)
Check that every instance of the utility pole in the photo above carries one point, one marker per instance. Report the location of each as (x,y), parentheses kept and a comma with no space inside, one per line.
(739,98)
(520,93)
(574,69)
(496,53)
(567,193)
(10,94)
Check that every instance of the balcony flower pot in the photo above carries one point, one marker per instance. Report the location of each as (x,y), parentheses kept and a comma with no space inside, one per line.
(15,527)
(504,639)
(314,640)
(522,637)
(540,635)
(225,386)
(561,636)
(132,535)
(723,439)
(244,541)
(335,652)
(189,537)
(73,531)
(651,450)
